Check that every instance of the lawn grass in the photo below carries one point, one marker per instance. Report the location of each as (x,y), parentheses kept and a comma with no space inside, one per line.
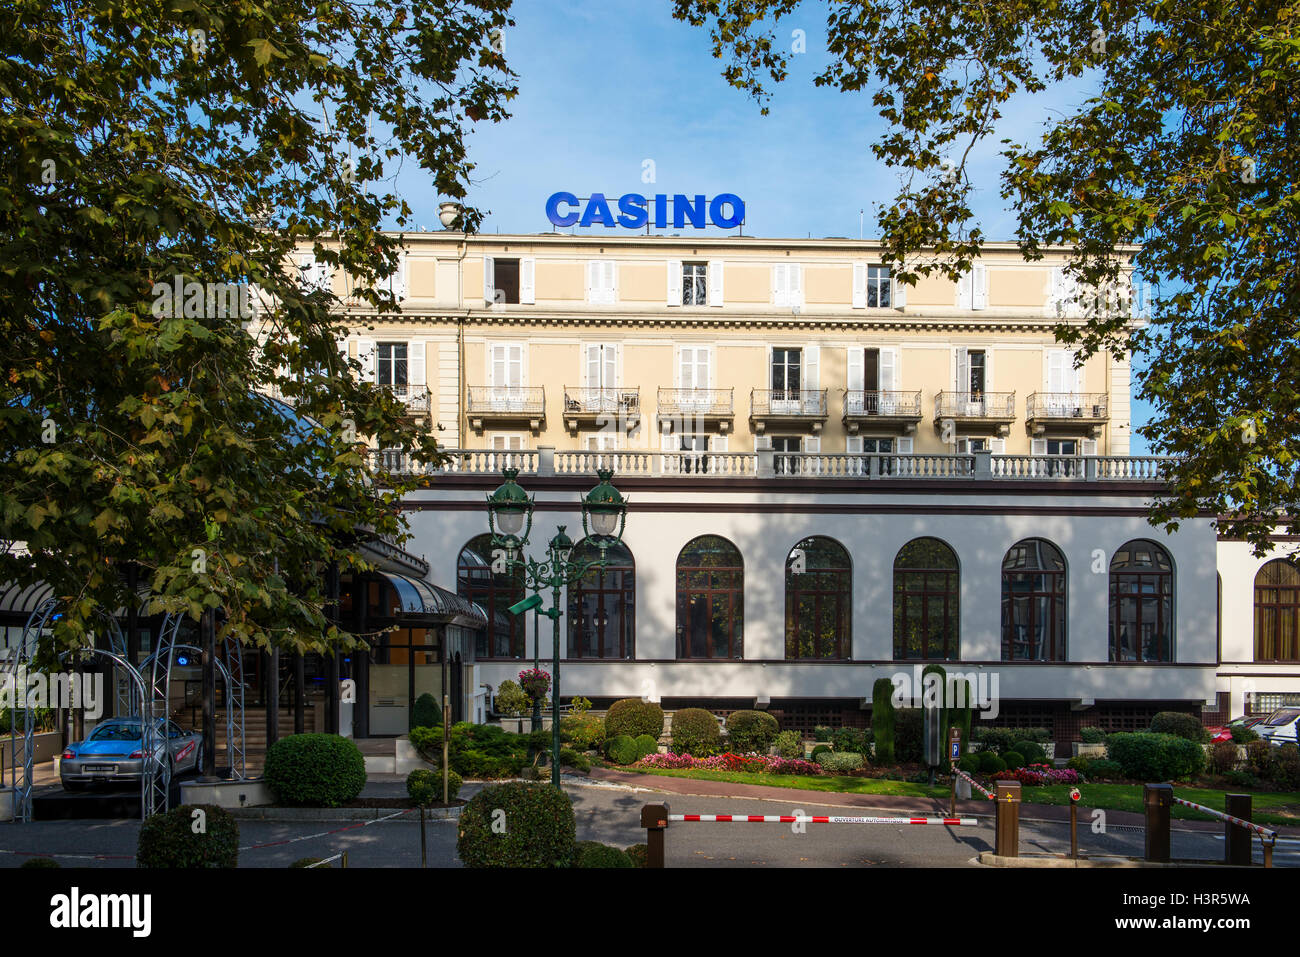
(1269,807)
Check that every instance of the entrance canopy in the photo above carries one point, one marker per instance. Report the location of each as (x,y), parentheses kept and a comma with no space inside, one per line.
(423,602)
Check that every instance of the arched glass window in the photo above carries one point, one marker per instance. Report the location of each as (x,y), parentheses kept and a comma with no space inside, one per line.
(927,612)
(1033,602)
(495,592)
(1141,603)
(710,599)
(818,600)
(602,605)
(1277,612)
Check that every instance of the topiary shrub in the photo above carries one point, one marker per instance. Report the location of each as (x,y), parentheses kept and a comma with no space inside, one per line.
(596,854)
(425,786)
(511,699)
(1100,769)
(638,854)
(851,739)
(168,839)
(1031,752)
(633,716)
(645,744)
(970,763)
(695,732)
(909,743)
(882,719)
(751,731)
(535,827)
(1092,735)
(622,749)
(426,712)
(1013,760)
(1180,724)
(1079,763)
(822,732)
(37,863)
(314,770)
(839,762)
(789,744)
(990,763)
(1155,757)
(584,731)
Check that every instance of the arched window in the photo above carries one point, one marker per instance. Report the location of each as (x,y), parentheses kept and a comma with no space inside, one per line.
(1033,602)
(818,600)
(602,605)
(496,592)
(927,612)
(1277,612)
(1141,603)
(710,599)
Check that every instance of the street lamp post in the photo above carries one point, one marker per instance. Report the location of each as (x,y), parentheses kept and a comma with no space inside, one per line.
(510,519)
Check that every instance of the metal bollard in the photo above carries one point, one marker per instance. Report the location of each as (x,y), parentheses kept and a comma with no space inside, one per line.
(654,818)
(1006,840)
(1237,840)
(1157,799)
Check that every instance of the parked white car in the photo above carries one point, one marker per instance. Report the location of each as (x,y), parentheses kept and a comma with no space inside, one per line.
(1281,727)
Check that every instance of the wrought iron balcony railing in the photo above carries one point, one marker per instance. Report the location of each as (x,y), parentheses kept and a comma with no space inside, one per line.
(810,403)
(712,402)
(858,402)
(1088,406)
(581,400)
(506,400)
(975,405)
(414,397)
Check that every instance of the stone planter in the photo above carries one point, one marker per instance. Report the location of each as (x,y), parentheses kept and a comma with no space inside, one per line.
(515,725)
(1082,750)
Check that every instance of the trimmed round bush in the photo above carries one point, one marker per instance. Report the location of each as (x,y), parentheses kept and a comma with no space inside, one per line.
(168,840)
(789,744)
(315,770)
(1079,763)
(1181,725)
(851,739)
(695,732)
(1100,769)
(751,731)
(645,744)
(425,786)
(622,749)
(512,699)
(1013,760)
(596,854)
(426,712)
(1155,757)
(970,763)
(1031,752)
(840,762)
(633,717)
(990,763)
(820,749)
(535,828)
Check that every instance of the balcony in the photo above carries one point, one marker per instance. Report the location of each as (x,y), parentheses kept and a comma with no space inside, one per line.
(985,411)
(414,397)
(1084,412)
(889,410)
(797,407)
(705,406)
(512,405)
(600,406)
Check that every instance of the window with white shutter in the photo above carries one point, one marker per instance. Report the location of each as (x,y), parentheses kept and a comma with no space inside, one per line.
(715,282)
(859,285)
(973,288)
(787,284)
(674,282)
(489,281)
(528,280)
(602,281)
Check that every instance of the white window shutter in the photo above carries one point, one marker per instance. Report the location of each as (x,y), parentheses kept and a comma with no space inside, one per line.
(593,281)
(812,379)
(904,445)
(366,349)
(591,366)
(1075,375)
(859,285)
(674,282)
(1038,447)
(779,297)
(964,285)
(528,280)
(1053,374)
(980,289)
(762,442)
(489,280)
(998,446)
(415,364)
(963,369)
(397,281)
(611,281)
(796,284)
(1088,447)
(888,370)
(719,443)
(897,294)
(856,381)
(715,271)
(853,444)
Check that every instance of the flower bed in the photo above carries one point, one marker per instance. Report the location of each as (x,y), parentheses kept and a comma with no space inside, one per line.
(762,764)
(1038,775)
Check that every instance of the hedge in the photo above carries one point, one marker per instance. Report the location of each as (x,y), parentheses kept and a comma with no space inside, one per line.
(517,824)
(425,786)
(595,854)
(169,839)
(789,744)
(622,749)
(633,716)
(1155,757)
(695,732)
(909,743)
(882,719)
(583,731)
(839,762)
(1180,724)
(314,770)
(751,731)
(1031,751)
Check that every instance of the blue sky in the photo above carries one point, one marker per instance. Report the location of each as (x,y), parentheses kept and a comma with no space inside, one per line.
(605,85)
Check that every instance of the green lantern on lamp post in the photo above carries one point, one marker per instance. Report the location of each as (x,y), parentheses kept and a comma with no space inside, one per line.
(510,519)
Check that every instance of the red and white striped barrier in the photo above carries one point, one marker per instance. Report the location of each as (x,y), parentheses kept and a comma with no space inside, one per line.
(1257,828)
(973,783)
(813,819)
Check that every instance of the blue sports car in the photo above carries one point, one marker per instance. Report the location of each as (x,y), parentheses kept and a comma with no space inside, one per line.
(113,754)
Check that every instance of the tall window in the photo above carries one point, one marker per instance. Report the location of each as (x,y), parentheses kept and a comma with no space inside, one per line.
(695,287)
(1033,602)
(927,611)
(710,599)
(818,600)
(1277,612)
(602,605)
(1141,603)
(878,286)
(495,592)
(391,364)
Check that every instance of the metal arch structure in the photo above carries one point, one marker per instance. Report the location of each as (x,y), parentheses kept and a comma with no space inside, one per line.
(235,744)
(155,775)
(14,666)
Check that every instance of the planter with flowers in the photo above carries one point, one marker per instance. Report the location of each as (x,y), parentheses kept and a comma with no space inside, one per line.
(536,683)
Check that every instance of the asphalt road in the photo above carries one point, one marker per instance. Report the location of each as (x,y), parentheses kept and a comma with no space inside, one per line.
(612,814)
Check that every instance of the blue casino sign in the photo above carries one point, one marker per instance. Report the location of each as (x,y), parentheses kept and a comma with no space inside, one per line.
(726,210)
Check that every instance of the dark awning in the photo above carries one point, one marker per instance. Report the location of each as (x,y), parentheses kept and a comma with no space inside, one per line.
(422,601)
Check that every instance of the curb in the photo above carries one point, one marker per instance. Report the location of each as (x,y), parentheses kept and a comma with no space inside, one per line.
(299,814)
(990,859)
